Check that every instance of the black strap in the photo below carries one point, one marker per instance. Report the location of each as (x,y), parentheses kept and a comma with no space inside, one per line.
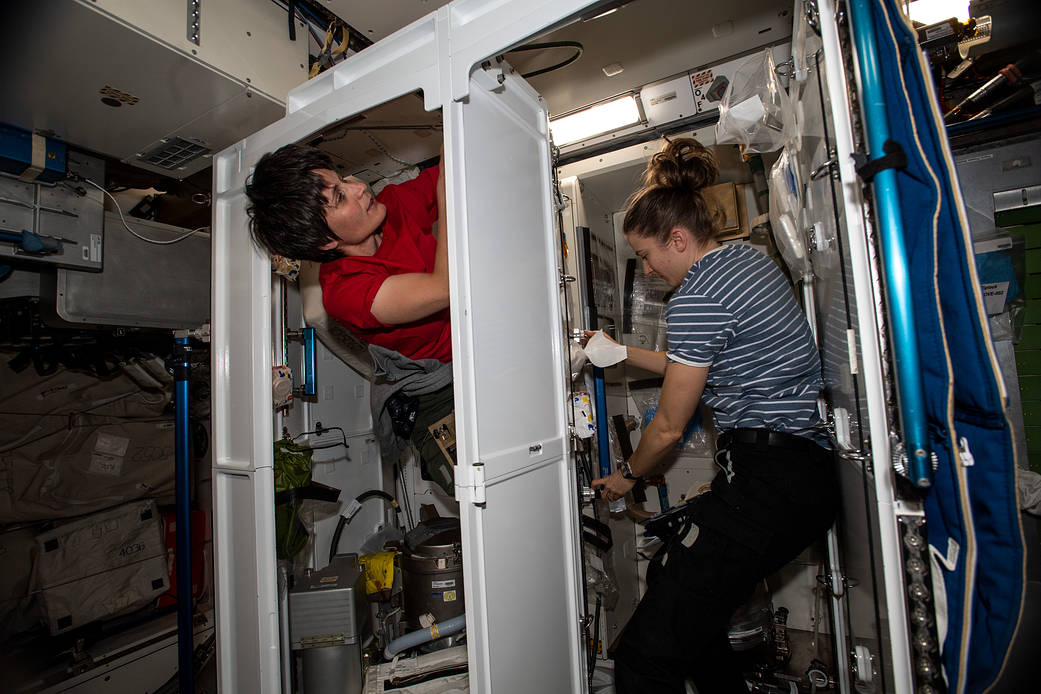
(894,158)
(596,533)
(315,490)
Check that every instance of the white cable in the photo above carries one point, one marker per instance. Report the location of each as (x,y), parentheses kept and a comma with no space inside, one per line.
(134,233)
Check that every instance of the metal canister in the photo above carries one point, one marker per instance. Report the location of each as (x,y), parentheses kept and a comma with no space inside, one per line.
(432,571)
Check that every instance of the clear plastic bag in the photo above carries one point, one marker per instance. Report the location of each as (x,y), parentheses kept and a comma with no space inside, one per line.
(600,582)
(785,208)
(755,110)
(650,296)
(695,439)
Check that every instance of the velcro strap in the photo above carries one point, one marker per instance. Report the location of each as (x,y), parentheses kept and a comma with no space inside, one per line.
(39,159)
(894,158)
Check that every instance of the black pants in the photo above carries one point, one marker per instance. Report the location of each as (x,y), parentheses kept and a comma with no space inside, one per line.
(766,505)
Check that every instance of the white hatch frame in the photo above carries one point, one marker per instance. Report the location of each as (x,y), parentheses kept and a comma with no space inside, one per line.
(523,588)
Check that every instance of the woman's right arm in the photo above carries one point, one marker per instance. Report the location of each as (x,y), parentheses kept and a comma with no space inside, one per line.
(417,295)
(646,359)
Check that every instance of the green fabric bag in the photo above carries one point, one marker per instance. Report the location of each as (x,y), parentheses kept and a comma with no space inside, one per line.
(292,470)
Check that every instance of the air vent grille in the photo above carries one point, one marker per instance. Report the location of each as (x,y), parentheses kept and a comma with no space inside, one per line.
(173,153)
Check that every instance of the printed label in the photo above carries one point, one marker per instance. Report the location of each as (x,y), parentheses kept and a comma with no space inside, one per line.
(104,527)
(329,579)
(700,79)
(994,295)
(938,32)
(663,98)
(449,596)
(1002,243)
(101,464)
(107,444)
(443,584)
(95,248)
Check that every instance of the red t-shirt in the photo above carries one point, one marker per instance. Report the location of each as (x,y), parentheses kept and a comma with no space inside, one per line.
(350,284)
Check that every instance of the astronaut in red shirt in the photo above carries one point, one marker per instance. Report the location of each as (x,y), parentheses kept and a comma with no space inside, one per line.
(384,274)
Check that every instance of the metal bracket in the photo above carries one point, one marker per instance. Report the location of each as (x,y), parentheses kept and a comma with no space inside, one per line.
(496,71)
(202,333)
(194,20)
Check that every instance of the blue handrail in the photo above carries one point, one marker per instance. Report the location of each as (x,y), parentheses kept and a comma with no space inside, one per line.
(603,440)
(183,543)
(910,391)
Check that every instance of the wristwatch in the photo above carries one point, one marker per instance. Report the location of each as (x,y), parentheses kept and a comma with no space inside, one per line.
(627,472)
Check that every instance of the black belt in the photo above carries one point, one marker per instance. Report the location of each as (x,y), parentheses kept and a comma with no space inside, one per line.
(764,438)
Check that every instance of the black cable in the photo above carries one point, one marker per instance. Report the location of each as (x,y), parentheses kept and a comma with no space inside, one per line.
(319,430)
(579,48)
(344,520)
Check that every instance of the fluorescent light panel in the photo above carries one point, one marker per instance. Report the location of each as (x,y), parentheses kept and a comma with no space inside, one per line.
(932,11)
(595,120)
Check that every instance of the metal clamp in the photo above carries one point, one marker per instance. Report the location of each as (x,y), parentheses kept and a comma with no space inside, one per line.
(826,167)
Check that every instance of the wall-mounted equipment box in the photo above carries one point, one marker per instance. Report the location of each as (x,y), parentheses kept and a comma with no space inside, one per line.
(156,92)
(66,217)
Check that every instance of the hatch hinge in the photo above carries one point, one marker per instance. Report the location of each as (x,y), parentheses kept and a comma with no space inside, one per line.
(474,487)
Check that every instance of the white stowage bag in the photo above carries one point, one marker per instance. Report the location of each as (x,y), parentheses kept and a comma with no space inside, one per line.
(755,110)
(448,661)
(100,566)
(79,443)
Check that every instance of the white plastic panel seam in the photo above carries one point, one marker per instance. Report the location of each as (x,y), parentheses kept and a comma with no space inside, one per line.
(868,331)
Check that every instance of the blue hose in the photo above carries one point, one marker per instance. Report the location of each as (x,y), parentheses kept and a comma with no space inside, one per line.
(910,390)
(421,636)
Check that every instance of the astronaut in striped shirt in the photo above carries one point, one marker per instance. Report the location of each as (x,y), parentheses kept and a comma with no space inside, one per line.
(738,342)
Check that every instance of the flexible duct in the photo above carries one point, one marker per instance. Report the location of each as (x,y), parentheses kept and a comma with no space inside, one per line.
(421,636)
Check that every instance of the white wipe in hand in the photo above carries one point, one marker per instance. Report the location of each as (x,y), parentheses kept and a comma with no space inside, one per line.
(603,351)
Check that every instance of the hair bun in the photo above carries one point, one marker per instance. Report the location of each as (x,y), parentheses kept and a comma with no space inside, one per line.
(683,163)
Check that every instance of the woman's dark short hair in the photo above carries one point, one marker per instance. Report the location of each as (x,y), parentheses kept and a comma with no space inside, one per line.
(287,204)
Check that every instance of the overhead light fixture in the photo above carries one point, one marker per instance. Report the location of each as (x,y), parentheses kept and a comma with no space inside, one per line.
(602,9)
(933,11)
(612,69)
(596,120)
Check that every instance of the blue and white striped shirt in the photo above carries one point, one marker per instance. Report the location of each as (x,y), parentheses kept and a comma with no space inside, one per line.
(735,313)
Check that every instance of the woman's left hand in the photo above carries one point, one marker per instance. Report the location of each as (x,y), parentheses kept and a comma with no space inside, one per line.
(614,485)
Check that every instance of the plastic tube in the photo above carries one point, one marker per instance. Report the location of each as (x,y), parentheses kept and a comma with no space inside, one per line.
(421,636)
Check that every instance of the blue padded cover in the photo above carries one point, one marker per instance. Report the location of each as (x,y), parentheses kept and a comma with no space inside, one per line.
(974,505)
